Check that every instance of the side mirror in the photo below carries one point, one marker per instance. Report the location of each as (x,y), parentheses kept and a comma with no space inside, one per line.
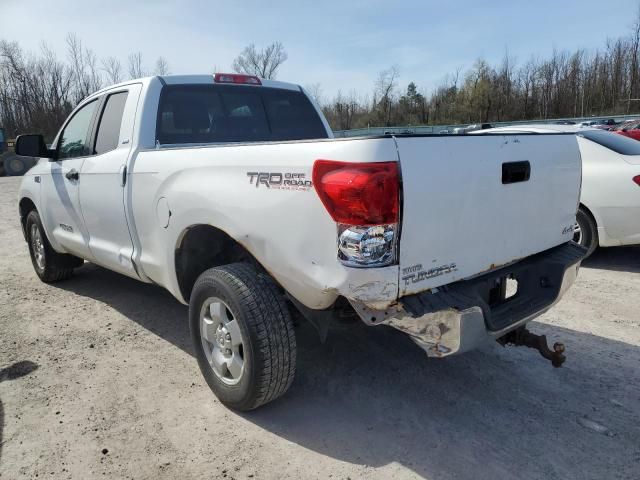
(32,146)
(624,129)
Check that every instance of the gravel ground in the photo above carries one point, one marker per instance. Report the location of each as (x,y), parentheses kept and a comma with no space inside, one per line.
(107,387)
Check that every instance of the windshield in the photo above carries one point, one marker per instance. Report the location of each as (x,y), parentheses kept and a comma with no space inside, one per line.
(225,113)
(613,141)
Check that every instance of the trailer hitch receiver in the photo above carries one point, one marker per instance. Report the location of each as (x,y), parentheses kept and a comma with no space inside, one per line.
(522,337)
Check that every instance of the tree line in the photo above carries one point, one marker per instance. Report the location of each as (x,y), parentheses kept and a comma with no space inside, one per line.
(38,91)
(577,83)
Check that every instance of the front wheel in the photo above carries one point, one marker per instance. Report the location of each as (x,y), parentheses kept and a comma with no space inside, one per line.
(585,231)
(243,335)
(50,266)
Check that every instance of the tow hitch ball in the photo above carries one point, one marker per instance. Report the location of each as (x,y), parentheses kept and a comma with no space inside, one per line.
(522,337)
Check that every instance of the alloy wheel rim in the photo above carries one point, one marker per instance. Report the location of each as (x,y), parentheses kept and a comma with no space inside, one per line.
(577,233)
(38,246)
(222,340)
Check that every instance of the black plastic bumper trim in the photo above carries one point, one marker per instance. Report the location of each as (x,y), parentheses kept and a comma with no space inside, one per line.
(539,280)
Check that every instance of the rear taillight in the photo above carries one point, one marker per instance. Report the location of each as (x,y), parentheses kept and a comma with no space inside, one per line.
(363,194)
(637,179)
(236,78)
(363,198)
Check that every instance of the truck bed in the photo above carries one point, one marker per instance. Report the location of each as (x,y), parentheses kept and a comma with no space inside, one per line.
(458,219)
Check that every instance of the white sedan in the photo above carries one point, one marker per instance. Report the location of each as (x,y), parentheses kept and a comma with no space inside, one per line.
(609,211)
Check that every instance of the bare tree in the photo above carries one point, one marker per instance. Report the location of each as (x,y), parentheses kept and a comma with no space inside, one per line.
(162,67)
(263,63)
(384,91)
(36,92)
(136,69)
(113,70)
(315,90)
(634,50)
(84,67)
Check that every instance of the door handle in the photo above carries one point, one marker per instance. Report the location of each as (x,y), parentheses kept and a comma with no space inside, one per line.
(514,172)
(123,175)
(72,174)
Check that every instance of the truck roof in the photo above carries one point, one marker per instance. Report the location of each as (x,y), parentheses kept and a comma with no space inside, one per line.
(204,79)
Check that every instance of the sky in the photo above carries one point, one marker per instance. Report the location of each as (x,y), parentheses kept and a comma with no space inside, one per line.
(341,45)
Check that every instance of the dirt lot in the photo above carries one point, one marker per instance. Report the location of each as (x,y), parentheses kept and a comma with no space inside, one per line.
(112,390)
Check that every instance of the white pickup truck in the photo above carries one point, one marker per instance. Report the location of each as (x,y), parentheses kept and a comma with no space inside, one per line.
(229,191)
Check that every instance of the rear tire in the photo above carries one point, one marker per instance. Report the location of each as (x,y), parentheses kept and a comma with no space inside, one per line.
(237,315)
(50,266)
(586,233)
(15,166)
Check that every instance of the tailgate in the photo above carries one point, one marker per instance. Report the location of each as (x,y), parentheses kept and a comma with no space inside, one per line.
(474,203)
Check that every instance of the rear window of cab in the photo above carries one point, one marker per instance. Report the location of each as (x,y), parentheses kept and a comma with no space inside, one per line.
(613,141)
(233,113)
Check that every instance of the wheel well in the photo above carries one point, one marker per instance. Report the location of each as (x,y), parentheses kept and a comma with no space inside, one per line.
(202,247)
(595,223)
(25,206)
(586,209)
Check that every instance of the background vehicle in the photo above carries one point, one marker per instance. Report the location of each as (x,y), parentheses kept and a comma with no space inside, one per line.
(609,213)
(11,164)
(229,191)
(609,122)
(629,129)
(3,149)
(472,128)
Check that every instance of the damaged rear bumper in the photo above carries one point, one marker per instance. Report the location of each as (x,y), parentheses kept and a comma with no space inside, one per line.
(463,315)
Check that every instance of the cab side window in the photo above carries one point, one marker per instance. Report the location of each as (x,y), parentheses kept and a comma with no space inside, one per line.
(110,122)
(73,141)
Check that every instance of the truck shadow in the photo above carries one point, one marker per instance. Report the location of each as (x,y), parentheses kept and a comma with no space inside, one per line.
(622,259)
(371,398)
(12,372)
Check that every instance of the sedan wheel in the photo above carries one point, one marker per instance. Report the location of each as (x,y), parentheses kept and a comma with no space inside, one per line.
(577,233)
(585,231)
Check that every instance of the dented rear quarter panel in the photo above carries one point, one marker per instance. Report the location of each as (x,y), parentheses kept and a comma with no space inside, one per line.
(289,232)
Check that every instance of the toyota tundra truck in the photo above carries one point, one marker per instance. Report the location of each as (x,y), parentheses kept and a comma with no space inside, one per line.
(230,192)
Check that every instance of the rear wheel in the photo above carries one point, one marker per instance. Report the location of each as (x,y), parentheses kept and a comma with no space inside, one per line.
(585,231)
(50,266)
(243,335)
(14,166)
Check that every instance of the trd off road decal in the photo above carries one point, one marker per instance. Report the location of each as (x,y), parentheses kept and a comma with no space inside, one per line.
(416,273)
(280,181)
